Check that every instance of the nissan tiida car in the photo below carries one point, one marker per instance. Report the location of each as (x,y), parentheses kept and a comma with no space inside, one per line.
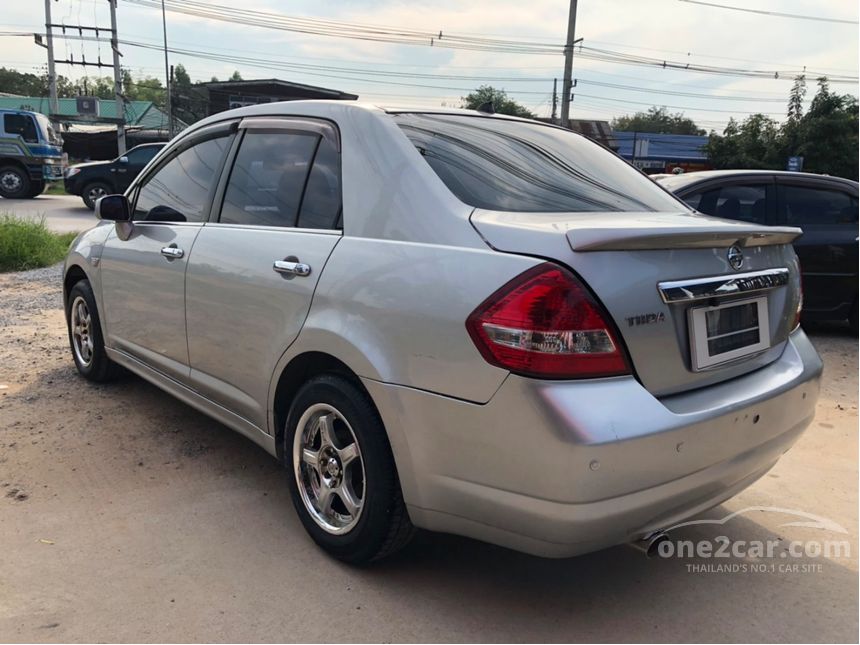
(450,320)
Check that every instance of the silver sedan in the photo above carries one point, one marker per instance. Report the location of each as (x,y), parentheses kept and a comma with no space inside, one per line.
(451,320)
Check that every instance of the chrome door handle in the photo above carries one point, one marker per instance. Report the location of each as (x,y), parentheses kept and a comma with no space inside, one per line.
(291,268)
(172,252)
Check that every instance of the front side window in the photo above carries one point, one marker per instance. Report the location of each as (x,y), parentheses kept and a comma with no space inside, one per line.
(21,124)
(803,205)
(268,178)
(507,165)
(747,203)
(180,190)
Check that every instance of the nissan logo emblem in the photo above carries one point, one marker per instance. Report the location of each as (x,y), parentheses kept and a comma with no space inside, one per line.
(735,257)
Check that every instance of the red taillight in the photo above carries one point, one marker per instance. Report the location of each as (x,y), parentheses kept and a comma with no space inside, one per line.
(544,323)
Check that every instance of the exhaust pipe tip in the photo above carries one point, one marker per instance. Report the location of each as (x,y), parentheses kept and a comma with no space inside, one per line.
(650,544)
(654,542)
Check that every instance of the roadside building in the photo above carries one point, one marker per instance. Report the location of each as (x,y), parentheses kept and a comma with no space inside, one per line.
(663,153)
(595,130)
(226,95)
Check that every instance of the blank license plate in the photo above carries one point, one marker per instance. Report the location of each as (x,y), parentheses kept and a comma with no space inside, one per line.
(728,331)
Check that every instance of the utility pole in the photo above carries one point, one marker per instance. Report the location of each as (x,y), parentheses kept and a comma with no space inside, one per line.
(170,102)
(566,85)
(554,98)
(167,74)
(117,81)
(52,72)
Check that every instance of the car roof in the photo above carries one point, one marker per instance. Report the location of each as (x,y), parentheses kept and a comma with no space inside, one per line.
(677,182)
(328,108)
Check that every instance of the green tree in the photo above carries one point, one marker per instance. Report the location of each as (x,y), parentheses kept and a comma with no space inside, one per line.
(795,98)
(236,76)
(658,120)
(753,143)
(499,98)
(827,138)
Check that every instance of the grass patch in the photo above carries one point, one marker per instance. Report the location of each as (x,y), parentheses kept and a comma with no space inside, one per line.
(29,244)
(55,188)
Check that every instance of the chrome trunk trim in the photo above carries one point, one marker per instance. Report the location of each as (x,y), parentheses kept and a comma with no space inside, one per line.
(722,285)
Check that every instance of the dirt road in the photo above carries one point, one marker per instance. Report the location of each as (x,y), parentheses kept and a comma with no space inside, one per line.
(127,516)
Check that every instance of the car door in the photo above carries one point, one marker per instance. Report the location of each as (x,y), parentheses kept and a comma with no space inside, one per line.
(253,271)
(125,169)
(748,199)
(827,250)
(143,277)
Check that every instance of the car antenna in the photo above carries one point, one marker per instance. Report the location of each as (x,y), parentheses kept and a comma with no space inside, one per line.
(487,108)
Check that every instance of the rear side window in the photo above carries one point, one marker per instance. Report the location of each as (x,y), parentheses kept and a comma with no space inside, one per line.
(142,156)
(268,178)
(321,204)
(506,165)
(284,179)
(803,205)
(747,203)
(180,190)
(21,124)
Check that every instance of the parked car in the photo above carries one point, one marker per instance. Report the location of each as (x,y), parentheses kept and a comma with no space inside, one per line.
(825,208)
(99,178)
(467,323)
(31,154)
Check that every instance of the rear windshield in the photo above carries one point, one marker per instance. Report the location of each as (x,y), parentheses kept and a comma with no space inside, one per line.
(504,165)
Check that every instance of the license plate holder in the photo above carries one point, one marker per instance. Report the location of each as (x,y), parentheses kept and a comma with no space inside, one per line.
(728,331)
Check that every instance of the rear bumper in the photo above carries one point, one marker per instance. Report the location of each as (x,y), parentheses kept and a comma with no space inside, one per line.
(560,468)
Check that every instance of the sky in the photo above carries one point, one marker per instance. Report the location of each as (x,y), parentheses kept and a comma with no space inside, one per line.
(421,75)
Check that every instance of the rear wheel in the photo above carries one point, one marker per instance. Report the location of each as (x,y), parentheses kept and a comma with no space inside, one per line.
(92,192)
(14,183)
(343,480)
(85,335)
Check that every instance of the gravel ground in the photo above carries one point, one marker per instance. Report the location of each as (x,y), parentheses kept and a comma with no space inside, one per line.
(127,516)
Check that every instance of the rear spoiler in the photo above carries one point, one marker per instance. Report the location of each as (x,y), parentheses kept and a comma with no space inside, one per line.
(629,239)
(627,231)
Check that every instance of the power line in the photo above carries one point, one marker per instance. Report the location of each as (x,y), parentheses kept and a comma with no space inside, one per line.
(776,14)
(441,39)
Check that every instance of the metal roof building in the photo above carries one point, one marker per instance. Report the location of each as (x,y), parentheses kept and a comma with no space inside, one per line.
(663,152)
(143,114)
(226,95)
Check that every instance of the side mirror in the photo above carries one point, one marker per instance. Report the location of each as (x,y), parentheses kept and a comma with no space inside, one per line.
(123,159)
(113,207)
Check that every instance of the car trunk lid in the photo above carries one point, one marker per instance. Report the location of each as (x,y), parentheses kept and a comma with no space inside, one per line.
(626,258)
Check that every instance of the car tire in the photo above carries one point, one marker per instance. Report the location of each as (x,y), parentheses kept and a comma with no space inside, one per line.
(348,495)
(85,335)
(93,191)
(14,183)
(36,189)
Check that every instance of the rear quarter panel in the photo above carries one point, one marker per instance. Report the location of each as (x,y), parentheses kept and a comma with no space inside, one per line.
(396,312)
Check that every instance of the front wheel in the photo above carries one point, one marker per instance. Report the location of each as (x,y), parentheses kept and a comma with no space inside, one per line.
(343,480)
(85,335)
(14,183)
(92,192)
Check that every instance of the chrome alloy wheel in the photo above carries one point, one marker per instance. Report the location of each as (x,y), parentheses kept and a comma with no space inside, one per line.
(329,469)
(82,332)
(95,193)
(11,181)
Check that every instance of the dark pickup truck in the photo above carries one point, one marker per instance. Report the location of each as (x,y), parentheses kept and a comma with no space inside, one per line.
(98,178)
